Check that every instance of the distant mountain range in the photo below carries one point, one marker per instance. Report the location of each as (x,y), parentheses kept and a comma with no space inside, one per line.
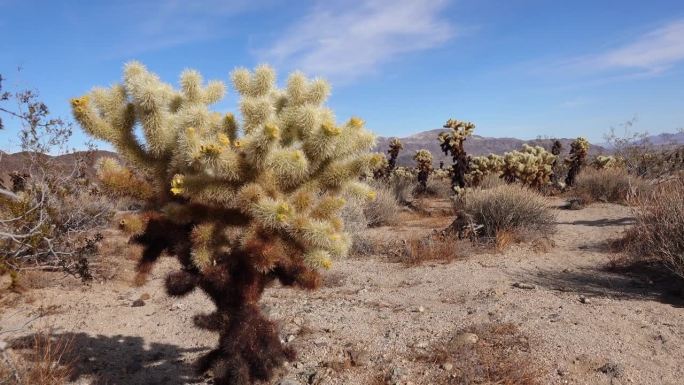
(475,145)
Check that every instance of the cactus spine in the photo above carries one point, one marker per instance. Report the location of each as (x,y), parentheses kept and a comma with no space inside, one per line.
(579,150)
(451,143)
(239,205)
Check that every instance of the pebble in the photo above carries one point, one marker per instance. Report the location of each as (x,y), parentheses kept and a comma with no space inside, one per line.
(358,357)
(447,366)
(584,299)
(290,338)
(138,303)
(466,339)
(3,345)
(522,285)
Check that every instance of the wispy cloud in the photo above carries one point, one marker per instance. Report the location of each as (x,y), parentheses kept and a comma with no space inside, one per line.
(652,53)
(343,40)
(155,25)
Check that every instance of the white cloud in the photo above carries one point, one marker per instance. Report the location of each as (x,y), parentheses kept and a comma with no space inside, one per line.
(653,52)
(343,39)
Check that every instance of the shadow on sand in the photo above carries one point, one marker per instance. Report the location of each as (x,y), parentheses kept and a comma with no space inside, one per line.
(642,281)
(115,360)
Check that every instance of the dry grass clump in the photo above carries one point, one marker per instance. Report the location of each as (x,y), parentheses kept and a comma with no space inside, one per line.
(384,210)
(491,181)
(438,187)
(609,185)
(507,212)
(42,360)
(498,353)
(432,248)
(659,230)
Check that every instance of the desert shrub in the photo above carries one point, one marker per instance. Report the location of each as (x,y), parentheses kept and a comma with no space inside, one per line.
(608,185)
(495,353)
(384,209)
(659,230)
(402,184)
(432,248)
(438,187)
(507,209)
(43,359)
(491,181)
(240,203)
(50,215)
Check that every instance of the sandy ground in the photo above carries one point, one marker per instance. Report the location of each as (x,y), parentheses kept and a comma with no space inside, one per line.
(586,324)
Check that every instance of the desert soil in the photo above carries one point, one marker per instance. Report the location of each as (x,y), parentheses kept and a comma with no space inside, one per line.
(585,324)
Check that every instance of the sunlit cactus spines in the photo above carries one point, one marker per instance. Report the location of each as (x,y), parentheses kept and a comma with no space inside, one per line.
(481,166)
(451,143)
(423,160)
(395,146)
(601,162)
(579,149)
(532,166)
(239,202)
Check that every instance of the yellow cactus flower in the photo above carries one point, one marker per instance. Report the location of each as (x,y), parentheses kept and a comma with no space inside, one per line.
(177,184)
(237,143)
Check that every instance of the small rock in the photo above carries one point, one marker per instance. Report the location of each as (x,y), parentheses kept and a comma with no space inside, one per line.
(288,381)
(419,309)
(562,372)
(397,375)
(3,345)
(466,339)
(138,303)
(290,338)
(611,368)
(584,299)
(447,366)
(177,306)
(522,285)
(145,296)
(358,357)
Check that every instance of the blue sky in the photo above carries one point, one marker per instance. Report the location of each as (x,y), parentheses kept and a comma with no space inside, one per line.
(517,68)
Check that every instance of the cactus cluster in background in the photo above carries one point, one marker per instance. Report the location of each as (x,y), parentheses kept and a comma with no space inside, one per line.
(423,160)
(451,143)
(395,146)
(481,166)
(556,149)
(579,149)
(601,162)
(532,166)
(239,204)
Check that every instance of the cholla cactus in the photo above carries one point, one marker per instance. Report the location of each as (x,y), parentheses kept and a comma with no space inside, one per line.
(423,160)
(601,162)
(481,166)
(238,210)
(556,149)
(579,149)
(532,166)
(395,146)
(451,143)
